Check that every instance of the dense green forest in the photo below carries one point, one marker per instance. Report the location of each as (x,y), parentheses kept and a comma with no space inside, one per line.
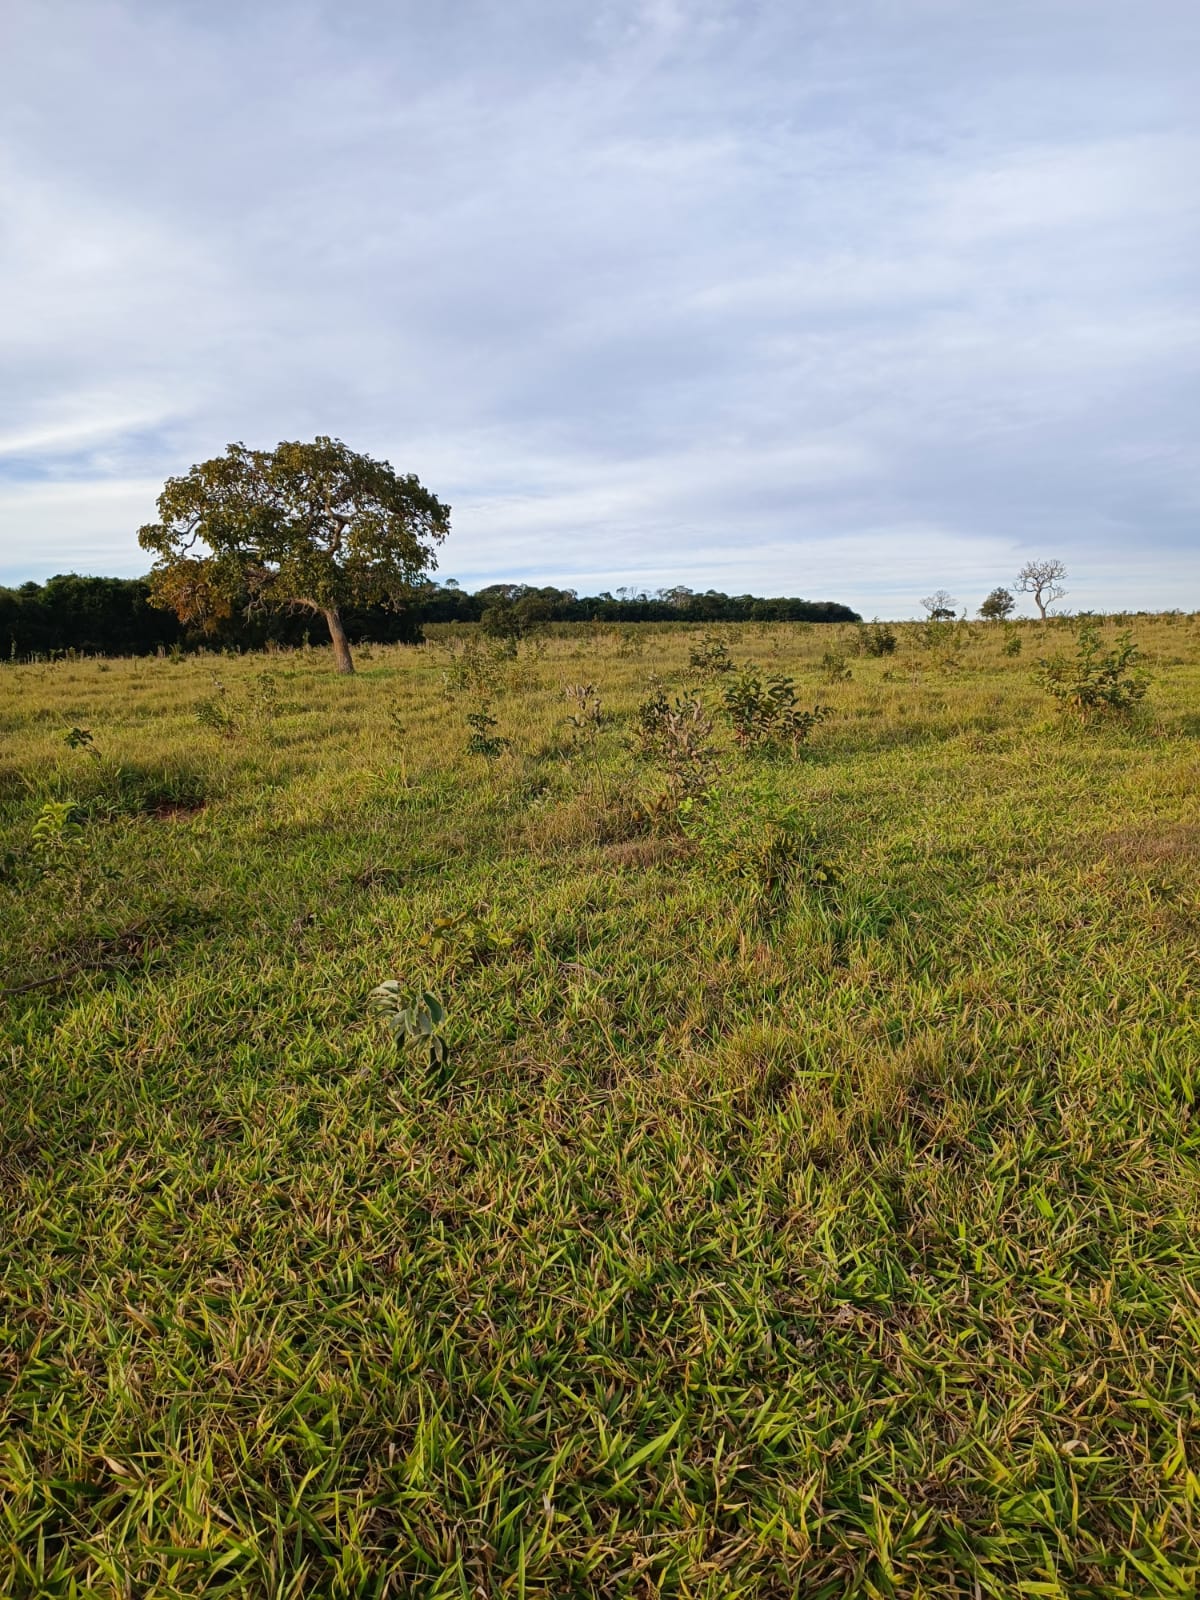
(114,616)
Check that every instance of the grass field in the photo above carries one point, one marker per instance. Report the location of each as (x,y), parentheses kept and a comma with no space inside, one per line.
(809,1206)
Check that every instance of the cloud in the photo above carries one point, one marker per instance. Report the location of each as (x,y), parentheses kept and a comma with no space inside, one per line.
(798,298)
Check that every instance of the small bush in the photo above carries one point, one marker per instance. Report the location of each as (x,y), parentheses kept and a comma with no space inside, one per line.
(263,697)
(775,862)
(56,838)
(678,738)
(81,739)
(710,657)
(1095,681)
(473,936)
(214,713)
(478,666)
(482,741)
(650,724)
(877,639)
(57,853)
(587,716)
(768,713)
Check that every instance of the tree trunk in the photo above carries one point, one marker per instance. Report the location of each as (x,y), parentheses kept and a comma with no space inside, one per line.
(1037,600)
(342,658)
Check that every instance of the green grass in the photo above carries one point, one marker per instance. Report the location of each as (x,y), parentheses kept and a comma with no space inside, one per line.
(829,1232)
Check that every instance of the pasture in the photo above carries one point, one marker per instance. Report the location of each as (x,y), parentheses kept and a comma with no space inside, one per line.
(808,1204)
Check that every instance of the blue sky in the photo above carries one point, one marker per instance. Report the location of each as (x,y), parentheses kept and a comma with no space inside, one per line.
(843,300)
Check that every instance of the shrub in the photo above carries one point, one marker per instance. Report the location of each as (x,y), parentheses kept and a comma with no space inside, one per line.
(81,739)
(943,638)
(834,668)
(1095,681)
(710,657)
(477,666)
(587,716)
(483,742)
(877,638)
(57,853)
(472,936)
(776,861)
(678,738)
(56,838)
(215,714)
(768,713)
(263,696)
(651,718)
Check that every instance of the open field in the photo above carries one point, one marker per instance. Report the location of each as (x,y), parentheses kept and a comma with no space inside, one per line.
(809,1206)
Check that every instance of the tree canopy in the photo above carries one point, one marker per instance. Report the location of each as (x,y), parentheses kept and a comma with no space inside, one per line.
(316,526)
(998,605)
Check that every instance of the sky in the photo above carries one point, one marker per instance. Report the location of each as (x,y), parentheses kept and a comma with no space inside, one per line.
(843,300)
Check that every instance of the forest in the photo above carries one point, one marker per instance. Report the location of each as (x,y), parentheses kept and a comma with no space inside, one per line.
(115,616)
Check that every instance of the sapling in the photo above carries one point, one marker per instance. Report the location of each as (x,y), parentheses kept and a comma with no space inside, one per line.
(483,742)
(81,739)
(1095,681)
(419,1022)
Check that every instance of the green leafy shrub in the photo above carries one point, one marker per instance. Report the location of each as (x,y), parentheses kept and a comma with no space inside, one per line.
(834,668)
(650,723)
(56,838)
(475,935)
(710,657)
(482,741)
(877,638)
(263,697)
(776,861)
(81,739)
(943,639)
(631,641)
(56,852)
(768,713)
(477,666)
(587,715)
(677,737)
(215,713)
(1095,681)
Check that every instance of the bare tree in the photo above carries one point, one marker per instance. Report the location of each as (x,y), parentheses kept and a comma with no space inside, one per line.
(941,606)
(1043,580)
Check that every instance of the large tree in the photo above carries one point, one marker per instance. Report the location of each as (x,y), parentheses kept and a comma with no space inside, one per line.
(1043,580)
(311,525)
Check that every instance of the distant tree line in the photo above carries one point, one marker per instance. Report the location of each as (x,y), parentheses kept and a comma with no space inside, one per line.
(115,616)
